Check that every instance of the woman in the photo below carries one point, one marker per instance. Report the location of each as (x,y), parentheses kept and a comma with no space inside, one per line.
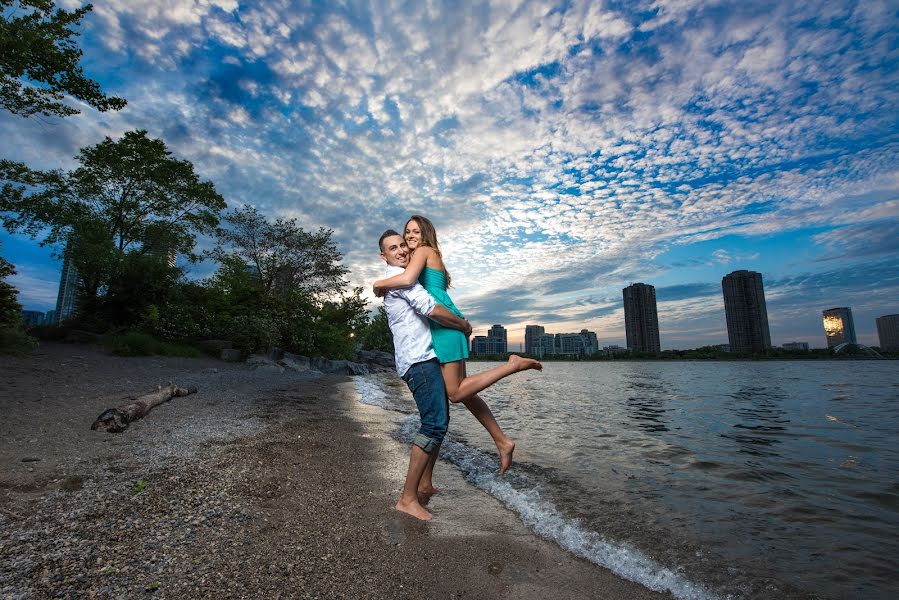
(450,345)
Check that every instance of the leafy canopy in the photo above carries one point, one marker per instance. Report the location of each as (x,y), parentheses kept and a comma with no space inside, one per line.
(281,255)
(129,192)
(39,61)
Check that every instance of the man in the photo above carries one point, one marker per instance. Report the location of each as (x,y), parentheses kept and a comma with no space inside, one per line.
(408,311)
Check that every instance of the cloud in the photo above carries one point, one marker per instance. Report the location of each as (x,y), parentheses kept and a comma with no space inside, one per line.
(559,147)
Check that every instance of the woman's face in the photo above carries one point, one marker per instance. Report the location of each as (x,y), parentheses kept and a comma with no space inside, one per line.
(412,234)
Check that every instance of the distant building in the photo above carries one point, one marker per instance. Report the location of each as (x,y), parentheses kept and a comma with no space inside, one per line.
(591,343)
(67,297)
(888,332)
(641,319)
(479,344)
(31,318)
(722,347)
(615,349)
(568,344)
(497,340)
(838,326)
(531,333)
(795,346)
(746,312)
(544,344)
(50,318)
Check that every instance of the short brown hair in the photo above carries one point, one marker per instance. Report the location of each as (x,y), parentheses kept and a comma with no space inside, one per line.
(386,234)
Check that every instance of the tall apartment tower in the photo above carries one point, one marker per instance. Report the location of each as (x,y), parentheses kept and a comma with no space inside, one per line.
(641,318)
(531,334)
(838,326)
(888,332)
(498,339)
(67,297)
(747,314)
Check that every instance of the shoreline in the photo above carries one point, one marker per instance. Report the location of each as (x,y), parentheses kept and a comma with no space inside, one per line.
(262,484)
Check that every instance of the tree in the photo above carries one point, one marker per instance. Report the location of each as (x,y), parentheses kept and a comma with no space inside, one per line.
(10,309)
(281,255)
(129,199)
(376,334)
(39,61)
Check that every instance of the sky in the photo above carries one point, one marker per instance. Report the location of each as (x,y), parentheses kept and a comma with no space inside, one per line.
(563,150)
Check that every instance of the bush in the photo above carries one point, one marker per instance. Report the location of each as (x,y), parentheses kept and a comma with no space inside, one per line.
(138,343)
(255,333)
(49,333)
(15,342)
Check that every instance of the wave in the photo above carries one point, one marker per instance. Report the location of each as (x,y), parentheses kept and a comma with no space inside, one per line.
(522,495)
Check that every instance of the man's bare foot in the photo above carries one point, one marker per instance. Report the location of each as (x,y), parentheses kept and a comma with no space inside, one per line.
(428,490)
(523,364)
(505,455)
(415,509)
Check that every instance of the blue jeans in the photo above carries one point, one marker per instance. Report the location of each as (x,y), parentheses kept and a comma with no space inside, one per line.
(425,381)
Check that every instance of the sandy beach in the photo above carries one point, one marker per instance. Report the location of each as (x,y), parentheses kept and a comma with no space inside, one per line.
(262,485)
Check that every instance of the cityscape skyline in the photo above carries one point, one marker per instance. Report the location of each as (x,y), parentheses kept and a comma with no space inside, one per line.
(562,149)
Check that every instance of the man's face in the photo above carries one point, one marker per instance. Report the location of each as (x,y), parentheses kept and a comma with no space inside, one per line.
(395,252)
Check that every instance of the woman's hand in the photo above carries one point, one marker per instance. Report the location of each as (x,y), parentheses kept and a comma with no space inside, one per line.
(377,290)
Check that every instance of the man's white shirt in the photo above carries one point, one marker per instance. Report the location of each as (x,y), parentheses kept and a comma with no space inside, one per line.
(407,311)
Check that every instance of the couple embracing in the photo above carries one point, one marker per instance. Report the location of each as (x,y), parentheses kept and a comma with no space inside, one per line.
(430,339)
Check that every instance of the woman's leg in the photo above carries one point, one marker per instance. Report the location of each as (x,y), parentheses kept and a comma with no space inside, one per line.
(459,386)
(454,372)
(504,445)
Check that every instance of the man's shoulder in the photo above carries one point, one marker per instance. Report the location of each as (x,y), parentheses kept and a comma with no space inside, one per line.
(391,270)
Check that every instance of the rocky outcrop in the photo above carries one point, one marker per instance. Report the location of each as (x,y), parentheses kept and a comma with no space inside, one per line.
(303,364)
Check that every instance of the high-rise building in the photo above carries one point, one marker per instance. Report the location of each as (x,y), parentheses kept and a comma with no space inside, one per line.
(746,312)
(838,326)
(67,297)
(888,332)
(568,344)
(591,343)
(498,340)
(531,333)
(544,344)
(641,319)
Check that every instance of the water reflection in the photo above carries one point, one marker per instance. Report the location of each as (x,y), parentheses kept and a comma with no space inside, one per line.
(760,419)
(647,396)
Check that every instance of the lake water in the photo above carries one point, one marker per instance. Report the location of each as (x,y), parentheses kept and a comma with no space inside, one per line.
(711,479)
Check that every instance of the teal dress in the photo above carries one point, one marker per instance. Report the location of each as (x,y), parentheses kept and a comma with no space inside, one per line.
(449,344)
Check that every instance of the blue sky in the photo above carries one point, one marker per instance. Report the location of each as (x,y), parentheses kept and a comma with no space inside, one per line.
(563,149)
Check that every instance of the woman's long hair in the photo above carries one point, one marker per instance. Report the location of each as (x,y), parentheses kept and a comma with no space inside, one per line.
(428,237)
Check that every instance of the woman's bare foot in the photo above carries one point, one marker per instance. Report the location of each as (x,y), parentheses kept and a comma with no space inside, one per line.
(505,455)
(415,509)
(523,364)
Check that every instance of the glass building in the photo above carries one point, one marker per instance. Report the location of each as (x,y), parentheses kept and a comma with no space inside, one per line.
(67,297)
(838,326)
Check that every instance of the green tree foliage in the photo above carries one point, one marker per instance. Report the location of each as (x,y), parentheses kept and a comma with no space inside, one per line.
(39,61)
(279,285)
(376,333)
(281,255)
(122,212)
(10,309)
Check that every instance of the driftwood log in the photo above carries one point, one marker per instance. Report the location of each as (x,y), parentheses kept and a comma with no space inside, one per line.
(117,419)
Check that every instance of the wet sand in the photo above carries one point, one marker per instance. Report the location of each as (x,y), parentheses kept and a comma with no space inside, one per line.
(262,485)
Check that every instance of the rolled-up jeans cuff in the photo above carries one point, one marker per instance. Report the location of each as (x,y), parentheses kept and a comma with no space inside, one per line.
(425,443)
